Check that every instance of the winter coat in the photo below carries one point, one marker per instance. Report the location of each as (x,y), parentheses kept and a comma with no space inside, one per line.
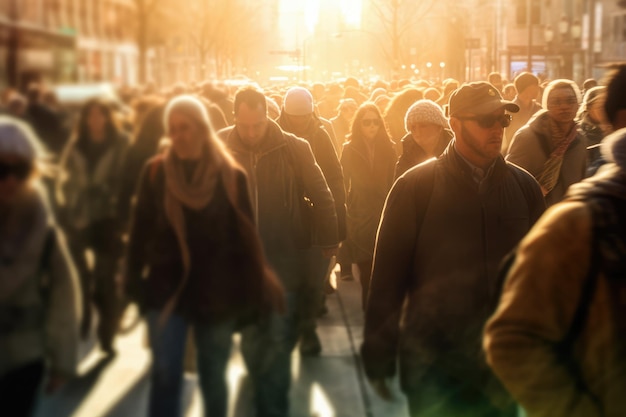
(280,170)
(413,154)
(342,129)
(89,192)
(222,282)
(39,292)
(542,292)
(367,184)
(439,276)
(531,148)
(326,158)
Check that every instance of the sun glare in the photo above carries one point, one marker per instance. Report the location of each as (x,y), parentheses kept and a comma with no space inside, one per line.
(351,10)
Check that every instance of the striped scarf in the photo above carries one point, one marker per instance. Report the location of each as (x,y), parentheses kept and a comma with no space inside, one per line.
(561,140)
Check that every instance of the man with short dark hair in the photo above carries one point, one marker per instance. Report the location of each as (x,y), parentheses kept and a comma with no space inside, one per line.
(446,226)
(281,172)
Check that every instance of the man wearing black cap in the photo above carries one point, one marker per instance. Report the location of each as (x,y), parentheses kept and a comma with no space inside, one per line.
(446,226)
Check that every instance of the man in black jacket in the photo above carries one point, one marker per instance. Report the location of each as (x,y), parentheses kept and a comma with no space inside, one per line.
(281,170)
(298,117)
(446,226)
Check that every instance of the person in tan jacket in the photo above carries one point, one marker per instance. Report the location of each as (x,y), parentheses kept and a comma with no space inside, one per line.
(558,340)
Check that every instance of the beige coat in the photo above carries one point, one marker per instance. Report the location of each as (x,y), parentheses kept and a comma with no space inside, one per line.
(55,338)
(535,313)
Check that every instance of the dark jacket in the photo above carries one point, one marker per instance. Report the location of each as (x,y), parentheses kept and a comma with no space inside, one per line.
(413,154)
(531,148)
(278,172)
(443,270)
(91,182)
(367,185)
(326,158)
(222,283)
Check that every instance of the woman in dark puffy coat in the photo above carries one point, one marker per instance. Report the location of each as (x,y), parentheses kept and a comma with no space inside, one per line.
(194,258)
(368,162)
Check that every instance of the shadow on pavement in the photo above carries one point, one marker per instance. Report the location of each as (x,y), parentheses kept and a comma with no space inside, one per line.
(70,397)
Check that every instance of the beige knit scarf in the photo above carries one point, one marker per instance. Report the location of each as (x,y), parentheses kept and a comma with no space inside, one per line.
(195,194)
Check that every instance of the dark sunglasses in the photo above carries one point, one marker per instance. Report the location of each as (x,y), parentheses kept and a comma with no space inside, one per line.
(369,122)
(487,121)
(21,170)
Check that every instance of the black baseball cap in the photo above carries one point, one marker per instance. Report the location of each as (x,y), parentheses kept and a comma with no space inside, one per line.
(478,97)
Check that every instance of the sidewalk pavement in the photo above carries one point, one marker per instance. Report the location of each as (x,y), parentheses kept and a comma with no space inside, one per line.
(331,385)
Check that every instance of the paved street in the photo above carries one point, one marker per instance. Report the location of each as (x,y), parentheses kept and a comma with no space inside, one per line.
(327,386)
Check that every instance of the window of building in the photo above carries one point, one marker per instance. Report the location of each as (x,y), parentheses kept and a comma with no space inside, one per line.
(522,10)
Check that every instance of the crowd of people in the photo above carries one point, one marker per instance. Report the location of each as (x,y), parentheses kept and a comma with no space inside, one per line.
(218,211)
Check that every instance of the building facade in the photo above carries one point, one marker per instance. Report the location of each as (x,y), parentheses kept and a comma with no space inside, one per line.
(63,41)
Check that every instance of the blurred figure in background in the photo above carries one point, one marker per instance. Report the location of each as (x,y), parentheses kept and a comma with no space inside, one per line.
(298,118)
(148,135)
(342,122)
(527,86)
(509,92)
(593,124)
(39,293)
(396,110)
(429,135)
(368,162)
(193,231)
(88,193)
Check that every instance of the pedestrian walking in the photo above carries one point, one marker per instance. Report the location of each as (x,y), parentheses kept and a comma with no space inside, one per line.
(88,190)
(193,232)
(446,227)
(39,290)
(294,210)
(550,146)
(368,162)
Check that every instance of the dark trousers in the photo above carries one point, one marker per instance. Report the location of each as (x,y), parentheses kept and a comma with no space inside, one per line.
(98,283)
(365,275)
(310,295)
(18,389)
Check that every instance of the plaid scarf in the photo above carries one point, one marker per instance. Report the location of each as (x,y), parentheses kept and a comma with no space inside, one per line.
(561,140)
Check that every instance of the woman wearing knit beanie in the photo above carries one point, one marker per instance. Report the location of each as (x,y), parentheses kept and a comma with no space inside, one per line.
(39,290)
(429,135)
(194,259)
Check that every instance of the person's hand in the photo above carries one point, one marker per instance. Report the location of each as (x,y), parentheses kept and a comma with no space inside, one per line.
(54,382)
(330,252)
(381,387)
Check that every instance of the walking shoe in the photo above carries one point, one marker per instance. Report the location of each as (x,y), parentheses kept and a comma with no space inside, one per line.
(310,344)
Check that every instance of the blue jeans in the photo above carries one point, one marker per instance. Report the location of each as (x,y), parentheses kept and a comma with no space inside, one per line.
(213,345)
(266,348)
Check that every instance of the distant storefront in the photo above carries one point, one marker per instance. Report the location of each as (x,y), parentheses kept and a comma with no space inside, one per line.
(40,55)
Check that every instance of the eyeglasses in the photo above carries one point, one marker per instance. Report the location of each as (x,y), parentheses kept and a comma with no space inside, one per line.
(571,101)
(369,122)
(21,170)
(487,121)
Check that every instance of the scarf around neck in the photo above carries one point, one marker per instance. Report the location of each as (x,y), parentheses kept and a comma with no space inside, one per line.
(194,194)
